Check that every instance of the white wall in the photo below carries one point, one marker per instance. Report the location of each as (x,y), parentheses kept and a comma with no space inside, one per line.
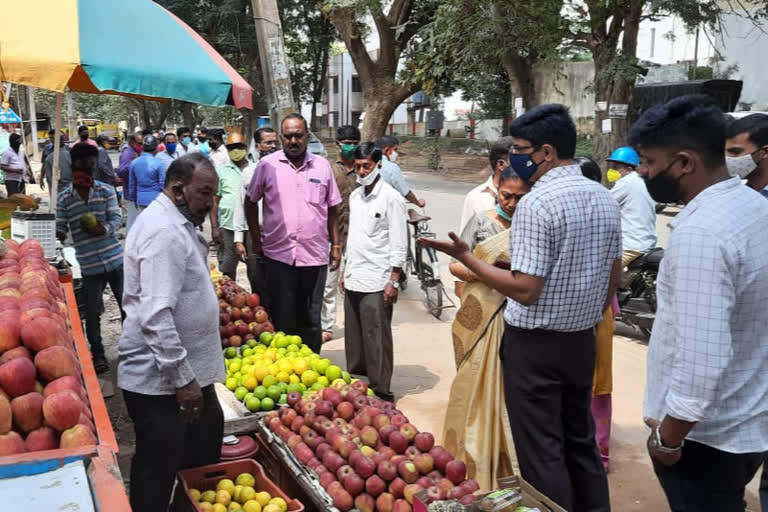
(655,45)
(745,45)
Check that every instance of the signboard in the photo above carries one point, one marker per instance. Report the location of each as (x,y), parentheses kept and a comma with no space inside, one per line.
(607,126)
(601,106)
(9,117)
(618,110)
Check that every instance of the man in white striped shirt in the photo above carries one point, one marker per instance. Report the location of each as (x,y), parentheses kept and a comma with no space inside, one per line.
(706,398)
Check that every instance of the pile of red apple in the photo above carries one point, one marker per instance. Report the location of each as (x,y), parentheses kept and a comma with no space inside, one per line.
(365,452)
(241,318)
(43,405)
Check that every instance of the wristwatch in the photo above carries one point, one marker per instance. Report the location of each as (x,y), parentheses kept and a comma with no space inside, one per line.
(395,284)
(656,443)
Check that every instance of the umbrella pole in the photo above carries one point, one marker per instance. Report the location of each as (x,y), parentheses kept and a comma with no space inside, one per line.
(54,184)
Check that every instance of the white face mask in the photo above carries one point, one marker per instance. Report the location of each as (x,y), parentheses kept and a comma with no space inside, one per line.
(368,180)
(393,157)
(741,166)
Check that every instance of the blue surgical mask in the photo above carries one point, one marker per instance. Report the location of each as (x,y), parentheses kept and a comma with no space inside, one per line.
(523,165)
(186,141)
(504,215)
(170,147)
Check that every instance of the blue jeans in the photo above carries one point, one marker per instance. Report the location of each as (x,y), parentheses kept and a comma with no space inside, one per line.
(707,479)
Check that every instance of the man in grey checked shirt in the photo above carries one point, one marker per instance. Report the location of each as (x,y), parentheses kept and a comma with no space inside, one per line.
(565,248)
(706,398)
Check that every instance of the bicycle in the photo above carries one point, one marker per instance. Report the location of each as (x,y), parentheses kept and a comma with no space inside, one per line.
(422,263)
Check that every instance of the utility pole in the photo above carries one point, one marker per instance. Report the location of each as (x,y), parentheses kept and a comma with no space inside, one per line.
(71,117)
(274,68)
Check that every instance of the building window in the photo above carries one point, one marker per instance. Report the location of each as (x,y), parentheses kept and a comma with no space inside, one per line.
(356,85)
(335,81)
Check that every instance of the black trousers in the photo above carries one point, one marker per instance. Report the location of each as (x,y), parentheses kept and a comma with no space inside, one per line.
(764,487)
(165,444)
(295,297)
(93,290)
(15,187)
(708,479)
(368,339)
(255,271)
(548,388)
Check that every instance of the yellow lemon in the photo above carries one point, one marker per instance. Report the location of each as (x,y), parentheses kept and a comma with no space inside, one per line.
(223,497)
(236,492)
(263,498)
(246,480)
(234,507)
(269,380)
(219,507)
(271,508)
(226,485)
(285,366)
(209,497)
(293,379)
(205,507)
(283,377)
(323,381)
(300,365)
(280,502)
(308,377)
(250,382)
(274,369)
(194,494)
(235,365)
(252,506)
(248,494)
(261,372)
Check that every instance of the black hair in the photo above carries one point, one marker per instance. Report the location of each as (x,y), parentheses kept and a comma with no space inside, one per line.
(347,132)
(82,128)
(257,134)
(692,122)
(756,125)
(217,133)
(500,151)
(368,149)
(15,137)
(182,130)
(146,132)
(295,115)
(165,137)
(52,131)
(202,129)
(547,124)
(590,169)
(387,141)
(509,174)
(83,150)
(182,169)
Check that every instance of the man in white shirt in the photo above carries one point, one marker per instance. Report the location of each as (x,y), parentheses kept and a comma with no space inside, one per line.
(376,248)
(706,398)
(216,140)
(483,197)
(184,136)
(638,210)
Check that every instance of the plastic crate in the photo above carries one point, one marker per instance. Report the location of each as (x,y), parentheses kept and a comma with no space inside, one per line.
(205,478)
(40,226)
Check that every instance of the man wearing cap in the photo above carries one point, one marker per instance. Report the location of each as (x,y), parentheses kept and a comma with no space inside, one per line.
(147,174)
(223,211)
(638,210)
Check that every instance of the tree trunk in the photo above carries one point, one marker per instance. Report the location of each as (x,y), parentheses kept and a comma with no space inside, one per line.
(522,83)
(616,89)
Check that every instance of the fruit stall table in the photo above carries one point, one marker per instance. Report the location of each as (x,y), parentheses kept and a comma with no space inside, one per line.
(97,461)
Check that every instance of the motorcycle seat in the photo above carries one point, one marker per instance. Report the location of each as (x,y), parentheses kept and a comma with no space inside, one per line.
(651,259)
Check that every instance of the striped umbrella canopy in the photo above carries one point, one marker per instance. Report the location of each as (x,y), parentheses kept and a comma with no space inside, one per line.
(129,47)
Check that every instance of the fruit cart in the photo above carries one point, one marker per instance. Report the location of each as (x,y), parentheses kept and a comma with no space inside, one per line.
(48,339)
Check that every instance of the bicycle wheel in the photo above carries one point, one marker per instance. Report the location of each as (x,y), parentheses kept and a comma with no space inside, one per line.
(429,275)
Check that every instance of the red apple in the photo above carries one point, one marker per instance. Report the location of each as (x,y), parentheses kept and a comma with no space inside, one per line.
(401,506)
(27,412)
(374,485)
(14,353)
(11,443)
(398,420)
(409,431)
(380,421)
(434,493)
(441,458)
(44,438)
(6,415)
(346,410)
(412,452)
(352,483)
(365,503)
(408,472)
(62,410)
(17,377)
(326,479)
(260,316)
(411,491)
(385,502)
(468,499)
(424,482)
(253,300)
(456,471)
(55,362)
(386,431)
(79,435)
(424,441)
(455,494)
(365,467)
(398,442)
(369,436)
(397,486)
(342,500)
(424,463)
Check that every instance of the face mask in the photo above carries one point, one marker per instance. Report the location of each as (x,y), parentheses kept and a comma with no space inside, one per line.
(523,166)
(15,146)
(393,157)
(368,180)
(201,139)
(170,147)
(214,145)
(237,155)
(741,166)
(504,215)
(664,188)
(186,141)
(613,175)
(203,148)
(348,151)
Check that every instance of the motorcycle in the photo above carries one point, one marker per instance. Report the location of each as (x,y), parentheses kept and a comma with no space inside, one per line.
(637,292)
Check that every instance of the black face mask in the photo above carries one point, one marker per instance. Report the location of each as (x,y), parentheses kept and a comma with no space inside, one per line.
(214,145)
(201,139)
(15,146)
(664,188)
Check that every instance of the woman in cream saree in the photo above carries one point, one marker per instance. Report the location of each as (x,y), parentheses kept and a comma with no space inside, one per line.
(476,427)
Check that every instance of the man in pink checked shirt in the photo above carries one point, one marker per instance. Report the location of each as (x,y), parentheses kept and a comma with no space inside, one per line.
(299,196)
